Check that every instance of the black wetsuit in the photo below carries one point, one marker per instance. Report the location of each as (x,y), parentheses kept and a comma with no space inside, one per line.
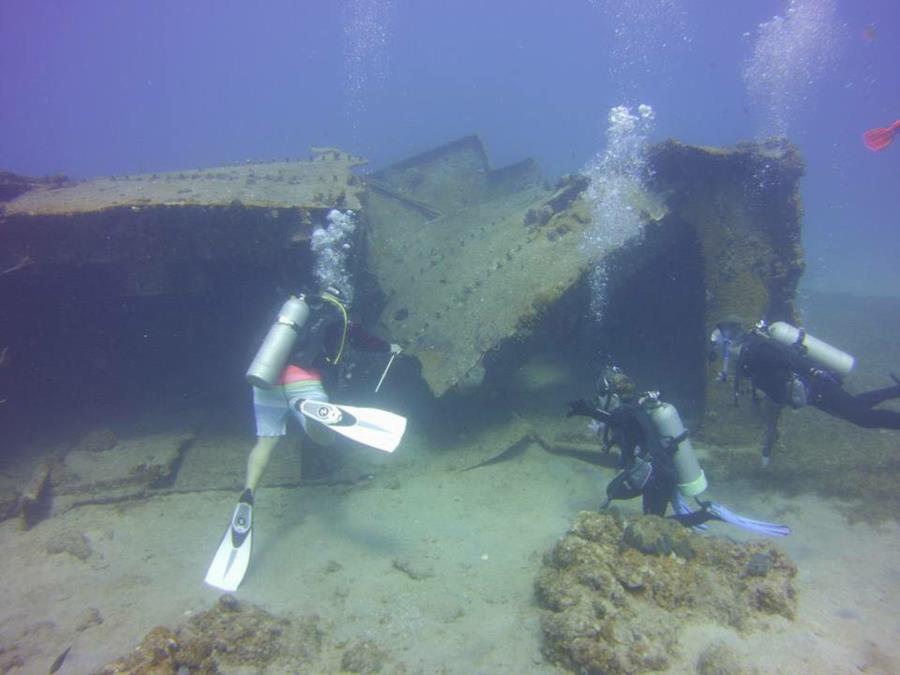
(322,342)
(639,444)
(771,366)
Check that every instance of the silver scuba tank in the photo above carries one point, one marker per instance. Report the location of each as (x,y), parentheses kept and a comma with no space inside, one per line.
(822,353)
(275,349)
(667,422)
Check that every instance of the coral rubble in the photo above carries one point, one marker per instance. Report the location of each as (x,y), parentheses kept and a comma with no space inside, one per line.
(616,592)
(233,636)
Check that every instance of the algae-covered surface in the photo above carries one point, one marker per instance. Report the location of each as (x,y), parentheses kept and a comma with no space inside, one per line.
(164,233)
(467,256)
(486,267)
(316,182)
(469,259)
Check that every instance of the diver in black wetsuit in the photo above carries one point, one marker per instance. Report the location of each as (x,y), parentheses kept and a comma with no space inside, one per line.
(789,378)
(645,460)
(788,374)
(656,457)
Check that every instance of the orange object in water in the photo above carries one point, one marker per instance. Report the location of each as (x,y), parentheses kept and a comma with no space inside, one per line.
(878,139)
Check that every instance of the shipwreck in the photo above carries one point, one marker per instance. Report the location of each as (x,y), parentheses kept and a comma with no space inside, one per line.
(471,268)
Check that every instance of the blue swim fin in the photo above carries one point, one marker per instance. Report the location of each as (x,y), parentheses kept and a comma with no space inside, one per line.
(715,511)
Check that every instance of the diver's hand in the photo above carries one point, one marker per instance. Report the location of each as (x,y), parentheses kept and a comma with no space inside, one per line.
(395,348)
(581,408)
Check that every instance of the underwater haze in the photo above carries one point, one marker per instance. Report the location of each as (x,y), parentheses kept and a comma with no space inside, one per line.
(100,88)
(436,465)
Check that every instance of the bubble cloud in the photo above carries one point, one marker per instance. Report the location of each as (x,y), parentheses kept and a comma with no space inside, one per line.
(332,246)
(616,175)
(791,53)
(366,36)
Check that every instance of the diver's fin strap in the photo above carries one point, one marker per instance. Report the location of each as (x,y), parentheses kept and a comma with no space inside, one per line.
(683,511)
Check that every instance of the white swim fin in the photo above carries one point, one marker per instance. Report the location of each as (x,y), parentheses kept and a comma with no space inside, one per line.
(376,428)
(233,556)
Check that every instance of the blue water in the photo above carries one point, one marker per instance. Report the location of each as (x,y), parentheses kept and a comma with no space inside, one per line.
(100,87)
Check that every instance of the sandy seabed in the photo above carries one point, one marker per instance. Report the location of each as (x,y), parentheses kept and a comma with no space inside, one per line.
(470,542)
(435,564)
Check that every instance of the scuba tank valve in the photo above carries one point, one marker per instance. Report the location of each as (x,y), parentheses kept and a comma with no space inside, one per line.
(275,349)
(667,422)
(828,357)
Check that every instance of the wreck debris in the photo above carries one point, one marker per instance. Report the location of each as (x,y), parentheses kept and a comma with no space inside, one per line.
(33,503)
(272,185)
(94,472)
(469,261)
(162,229)
(12,185)
(744,208)
(474,282)
(459,285)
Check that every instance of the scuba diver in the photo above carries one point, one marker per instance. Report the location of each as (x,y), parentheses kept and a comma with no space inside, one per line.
(302,351)
(796,369)
(656,457)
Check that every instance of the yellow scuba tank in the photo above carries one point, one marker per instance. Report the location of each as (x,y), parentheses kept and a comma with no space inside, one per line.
(667,422)
(273,354)
(823,354)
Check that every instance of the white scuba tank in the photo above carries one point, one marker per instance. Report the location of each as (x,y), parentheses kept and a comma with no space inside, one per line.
(667,422)
(275,349)
(822,353)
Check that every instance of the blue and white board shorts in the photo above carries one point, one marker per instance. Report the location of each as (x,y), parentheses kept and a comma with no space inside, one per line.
(271,408)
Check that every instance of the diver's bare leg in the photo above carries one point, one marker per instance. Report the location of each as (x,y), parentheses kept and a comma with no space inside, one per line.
(259,459)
